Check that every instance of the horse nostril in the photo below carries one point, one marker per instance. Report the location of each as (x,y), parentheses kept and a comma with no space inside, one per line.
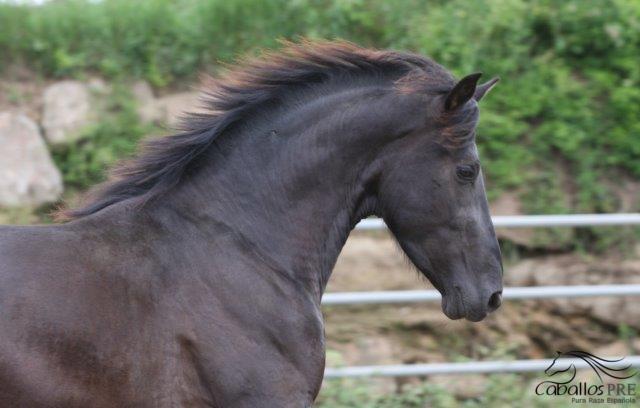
(495,301)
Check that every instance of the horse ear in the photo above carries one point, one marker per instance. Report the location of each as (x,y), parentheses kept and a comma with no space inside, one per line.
(462,92)
(482,89)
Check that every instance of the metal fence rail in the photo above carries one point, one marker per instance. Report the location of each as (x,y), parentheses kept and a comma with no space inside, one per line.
(472,367)
(531,221)
(530,292)
(541,292)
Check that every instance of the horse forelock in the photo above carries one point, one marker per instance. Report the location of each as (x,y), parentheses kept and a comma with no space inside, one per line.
(162,163)
(457,129)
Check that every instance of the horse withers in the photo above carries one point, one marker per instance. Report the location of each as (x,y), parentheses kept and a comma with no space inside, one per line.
(194,276)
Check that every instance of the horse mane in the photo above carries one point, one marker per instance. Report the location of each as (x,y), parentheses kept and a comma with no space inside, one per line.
(161,163)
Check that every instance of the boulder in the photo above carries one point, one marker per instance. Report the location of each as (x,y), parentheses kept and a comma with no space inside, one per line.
(27,173)
(66,111)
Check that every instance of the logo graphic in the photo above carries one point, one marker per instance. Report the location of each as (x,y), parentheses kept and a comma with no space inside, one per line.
(611,389)
(601,366)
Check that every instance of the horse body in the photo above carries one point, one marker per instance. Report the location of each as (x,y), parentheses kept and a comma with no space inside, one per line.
(209,294)
(170,340)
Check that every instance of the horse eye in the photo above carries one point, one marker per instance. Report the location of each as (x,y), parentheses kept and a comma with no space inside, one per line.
(466,173)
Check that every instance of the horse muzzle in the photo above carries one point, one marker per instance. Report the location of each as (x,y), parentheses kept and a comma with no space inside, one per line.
(472,304)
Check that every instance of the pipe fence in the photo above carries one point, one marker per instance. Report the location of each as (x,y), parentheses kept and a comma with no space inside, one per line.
(471,367)
(538,221)
(523,292)
(541,292)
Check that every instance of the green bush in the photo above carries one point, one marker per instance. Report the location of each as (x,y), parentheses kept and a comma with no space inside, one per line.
(569,92)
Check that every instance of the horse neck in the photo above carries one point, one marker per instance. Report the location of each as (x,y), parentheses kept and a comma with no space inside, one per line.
(293,183)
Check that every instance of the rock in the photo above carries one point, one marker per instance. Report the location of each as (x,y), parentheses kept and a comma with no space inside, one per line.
(148,109)
(27,173)
(173,107)
(66,111)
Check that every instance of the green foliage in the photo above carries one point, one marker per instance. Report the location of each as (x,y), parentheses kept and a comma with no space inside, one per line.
(569,95)
(569,92)
(165,40)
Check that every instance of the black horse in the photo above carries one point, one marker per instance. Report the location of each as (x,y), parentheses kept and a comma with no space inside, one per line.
(194,277)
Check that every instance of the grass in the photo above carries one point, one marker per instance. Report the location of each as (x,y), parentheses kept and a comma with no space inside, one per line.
(497,390)
(472,391)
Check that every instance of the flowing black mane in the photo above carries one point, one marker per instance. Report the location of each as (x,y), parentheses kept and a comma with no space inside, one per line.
(164,161)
